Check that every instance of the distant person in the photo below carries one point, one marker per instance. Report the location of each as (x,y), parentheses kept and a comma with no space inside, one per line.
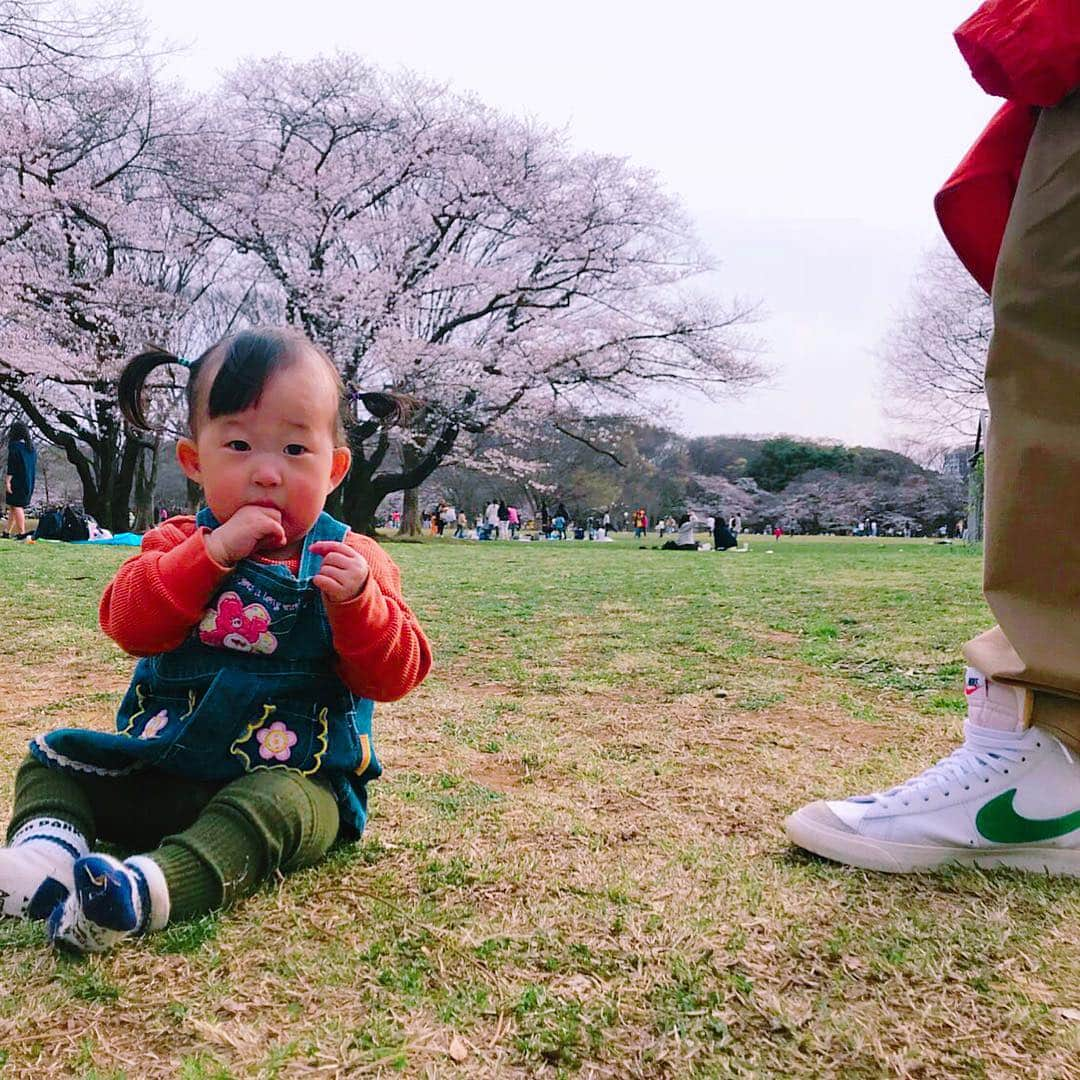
(684,537)
(462,526)
(558,526)
(723,537)
(491,519)
(447,519)
(19,478)
(503,514)
(514,521)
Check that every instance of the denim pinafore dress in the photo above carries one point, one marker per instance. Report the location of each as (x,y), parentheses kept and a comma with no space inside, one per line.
(252,688)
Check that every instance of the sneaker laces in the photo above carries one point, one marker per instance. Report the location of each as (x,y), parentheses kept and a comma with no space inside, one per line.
(978,755)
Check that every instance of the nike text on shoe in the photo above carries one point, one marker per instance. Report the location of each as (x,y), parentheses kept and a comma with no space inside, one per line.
(1007,799)
(111,900)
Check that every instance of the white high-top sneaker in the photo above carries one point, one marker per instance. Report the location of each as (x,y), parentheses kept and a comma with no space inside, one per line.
(1004,798)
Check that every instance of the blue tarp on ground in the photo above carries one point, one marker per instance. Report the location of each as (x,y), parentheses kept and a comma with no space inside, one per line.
(124,539)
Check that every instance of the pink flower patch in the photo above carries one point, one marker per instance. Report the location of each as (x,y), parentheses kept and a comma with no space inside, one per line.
(275,742)
(231,625)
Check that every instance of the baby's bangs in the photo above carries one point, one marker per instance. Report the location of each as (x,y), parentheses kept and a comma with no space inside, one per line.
(251,358)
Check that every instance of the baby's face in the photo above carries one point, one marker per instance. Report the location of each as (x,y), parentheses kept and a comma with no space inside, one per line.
(280,453)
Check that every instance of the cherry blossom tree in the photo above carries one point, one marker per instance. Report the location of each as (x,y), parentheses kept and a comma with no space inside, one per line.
(934,358)
(93,262)
(442,250)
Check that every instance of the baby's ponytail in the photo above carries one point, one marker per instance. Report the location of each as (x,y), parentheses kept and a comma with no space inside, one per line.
(388,408)
(133,378)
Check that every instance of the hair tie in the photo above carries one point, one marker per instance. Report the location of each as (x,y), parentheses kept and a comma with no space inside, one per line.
(185,363)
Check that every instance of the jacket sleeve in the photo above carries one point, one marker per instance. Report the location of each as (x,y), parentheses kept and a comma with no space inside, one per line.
(157,596)
(973,206)
(1025,50)
(382,652)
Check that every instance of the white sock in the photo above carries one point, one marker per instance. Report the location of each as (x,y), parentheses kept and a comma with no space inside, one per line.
(36,867)
(997,705)
(157,886)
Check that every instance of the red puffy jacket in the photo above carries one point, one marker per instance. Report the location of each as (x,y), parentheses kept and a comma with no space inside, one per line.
(1029,52)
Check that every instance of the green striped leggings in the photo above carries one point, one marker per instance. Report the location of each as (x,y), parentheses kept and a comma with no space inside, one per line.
(216,843)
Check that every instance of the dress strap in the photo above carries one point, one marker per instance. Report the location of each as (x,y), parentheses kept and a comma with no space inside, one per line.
(325,528)
(205,518)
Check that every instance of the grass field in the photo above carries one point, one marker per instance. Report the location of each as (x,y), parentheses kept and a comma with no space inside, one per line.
(575,863)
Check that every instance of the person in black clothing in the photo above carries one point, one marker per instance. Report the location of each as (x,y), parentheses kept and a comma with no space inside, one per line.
(723,537)
(19,477)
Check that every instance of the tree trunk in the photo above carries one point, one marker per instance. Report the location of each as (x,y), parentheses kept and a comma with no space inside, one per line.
(194,496)
(363,491)
(145,482)
(410,499)
(975,502)
(359,499)
(410,513)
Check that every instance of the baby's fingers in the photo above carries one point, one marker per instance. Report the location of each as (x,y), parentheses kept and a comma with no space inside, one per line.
(327,547)
(336,561)
(333,589)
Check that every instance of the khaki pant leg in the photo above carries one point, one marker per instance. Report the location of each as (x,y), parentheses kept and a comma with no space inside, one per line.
(1032,560)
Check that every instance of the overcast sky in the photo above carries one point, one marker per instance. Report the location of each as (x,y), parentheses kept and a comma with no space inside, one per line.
(805,139)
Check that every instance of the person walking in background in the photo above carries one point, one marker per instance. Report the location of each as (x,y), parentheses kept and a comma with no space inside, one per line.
(448,518)
(514,521)
(639,523)
(462,526)
(503,513)
(19,478)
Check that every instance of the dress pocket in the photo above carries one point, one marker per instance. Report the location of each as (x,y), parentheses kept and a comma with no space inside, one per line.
(283,738)
(153,715)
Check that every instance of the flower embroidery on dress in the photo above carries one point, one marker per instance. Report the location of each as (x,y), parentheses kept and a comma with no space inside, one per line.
(233,626)
(275,742)
(154,725)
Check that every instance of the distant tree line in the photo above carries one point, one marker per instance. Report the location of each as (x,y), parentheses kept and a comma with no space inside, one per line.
(800,484)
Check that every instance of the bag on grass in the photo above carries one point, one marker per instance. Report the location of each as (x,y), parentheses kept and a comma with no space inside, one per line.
(75,525)
(50,525)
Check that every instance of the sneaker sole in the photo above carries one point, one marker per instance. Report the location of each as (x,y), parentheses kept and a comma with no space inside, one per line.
(893,858)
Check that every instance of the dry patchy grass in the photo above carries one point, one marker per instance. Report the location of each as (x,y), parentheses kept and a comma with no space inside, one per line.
(575,863)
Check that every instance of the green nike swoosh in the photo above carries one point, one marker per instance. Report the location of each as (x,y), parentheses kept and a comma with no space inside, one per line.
(999,823)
